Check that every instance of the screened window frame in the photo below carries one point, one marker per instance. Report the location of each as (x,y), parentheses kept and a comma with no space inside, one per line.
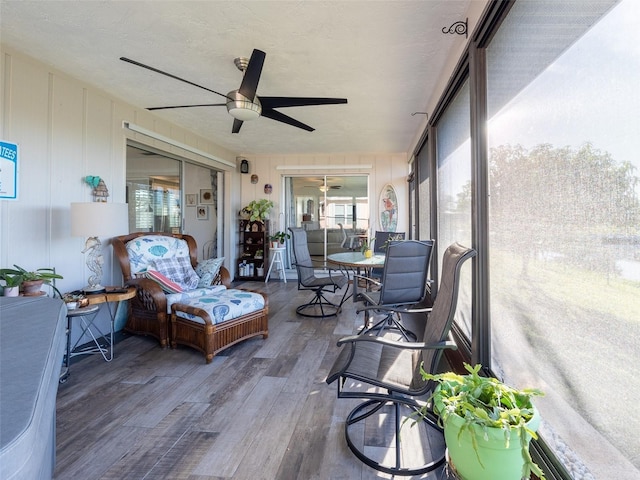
(472,67)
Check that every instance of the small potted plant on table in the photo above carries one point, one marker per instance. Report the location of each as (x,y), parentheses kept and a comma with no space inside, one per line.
(278,239)
(365,248)
(487,425)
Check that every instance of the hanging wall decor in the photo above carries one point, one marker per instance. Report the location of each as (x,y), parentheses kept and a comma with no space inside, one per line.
(206,196)
(388,208)
(268,188)
(254,178)
(9,155)
(202,212)
(191,199)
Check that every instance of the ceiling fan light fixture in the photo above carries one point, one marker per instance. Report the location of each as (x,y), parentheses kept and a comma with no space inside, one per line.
(241,108)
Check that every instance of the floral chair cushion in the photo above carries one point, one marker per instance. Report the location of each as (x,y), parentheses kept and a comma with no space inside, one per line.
(225,305)
(207,270)
(187,297)
(144,251)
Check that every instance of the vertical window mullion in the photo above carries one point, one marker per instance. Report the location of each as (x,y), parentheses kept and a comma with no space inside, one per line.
(480,317)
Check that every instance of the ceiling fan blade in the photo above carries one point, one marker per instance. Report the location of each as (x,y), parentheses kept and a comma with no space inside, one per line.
(189,106)
(237,124)
(280,102)
(281,117)
(138,64)
(251,76)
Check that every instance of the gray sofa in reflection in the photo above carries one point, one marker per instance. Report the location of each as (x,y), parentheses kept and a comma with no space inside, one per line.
(336,241)
(32,345)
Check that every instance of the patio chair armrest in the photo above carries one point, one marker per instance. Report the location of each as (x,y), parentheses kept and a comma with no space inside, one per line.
(354,339)
(367,279)
(399,309)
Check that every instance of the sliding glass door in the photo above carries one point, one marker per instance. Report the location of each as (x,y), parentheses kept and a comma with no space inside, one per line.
(332,210)
(153,192)
(172,195)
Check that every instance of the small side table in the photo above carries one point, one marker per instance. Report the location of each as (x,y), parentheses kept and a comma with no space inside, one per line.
(87,316)
(277,259)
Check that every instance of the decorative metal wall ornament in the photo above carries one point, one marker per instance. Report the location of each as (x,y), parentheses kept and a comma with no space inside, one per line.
(459,28)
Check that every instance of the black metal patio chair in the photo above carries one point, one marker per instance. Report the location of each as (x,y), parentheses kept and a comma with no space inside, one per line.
(380,243)
(386,373)
(403,287)
(330,282)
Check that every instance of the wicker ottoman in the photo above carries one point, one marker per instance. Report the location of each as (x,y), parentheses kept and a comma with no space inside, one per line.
(214,322)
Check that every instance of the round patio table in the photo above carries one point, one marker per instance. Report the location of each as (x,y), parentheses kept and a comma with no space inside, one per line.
(353,262)
(356,260)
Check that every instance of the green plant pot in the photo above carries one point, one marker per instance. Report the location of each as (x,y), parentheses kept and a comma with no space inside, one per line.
(497,462)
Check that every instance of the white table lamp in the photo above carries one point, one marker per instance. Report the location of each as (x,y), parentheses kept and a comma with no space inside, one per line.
(93,220)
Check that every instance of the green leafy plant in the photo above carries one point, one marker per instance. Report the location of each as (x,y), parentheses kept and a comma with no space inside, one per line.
(258,209)
(44,274)
(366,245)
(10,279)
(392,238)
(280,237)
(487,403)
(14,277)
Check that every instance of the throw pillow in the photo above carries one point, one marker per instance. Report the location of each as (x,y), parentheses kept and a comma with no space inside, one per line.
(178,270)
(207,270)
(167,285)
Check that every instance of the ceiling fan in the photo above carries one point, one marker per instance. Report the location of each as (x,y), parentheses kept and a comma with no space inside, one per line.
(243,104)
(324,187)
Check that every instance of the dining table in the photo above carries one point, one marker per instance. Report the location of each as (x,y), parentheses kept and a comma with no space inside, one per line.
(355,263)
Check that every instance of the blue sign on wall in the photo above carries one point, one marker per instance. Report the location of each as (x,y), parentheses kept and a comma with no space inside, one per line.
(8,170)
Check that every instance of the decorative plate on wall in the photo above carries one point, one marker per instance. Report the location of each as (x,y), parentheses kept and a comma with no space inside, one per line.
(206,196)
(388,209)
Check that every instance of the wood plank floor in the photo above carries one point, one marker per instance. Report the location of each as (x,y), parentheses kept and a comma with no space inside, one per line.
(260,410)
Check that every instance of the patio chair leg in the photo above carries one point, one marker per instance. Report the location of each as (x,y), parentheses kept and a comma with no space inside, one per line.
(392,323)
(368,409)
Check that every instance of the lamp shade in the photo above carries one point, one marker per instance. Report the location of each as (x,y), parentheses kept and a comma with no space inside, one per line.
(99,219)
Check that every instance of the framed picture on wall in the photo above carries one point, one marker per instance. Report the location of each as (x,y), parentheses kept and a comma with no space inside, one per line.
(191,199)
(206,196)
(388,209)
(202,212)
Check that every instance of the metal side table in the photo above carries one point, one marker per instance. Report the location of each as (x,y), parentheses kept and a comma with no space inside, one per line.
(102,342)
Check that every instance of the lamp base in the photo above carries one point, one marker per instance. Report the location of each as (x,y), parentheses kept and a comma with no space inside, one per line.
(93,289)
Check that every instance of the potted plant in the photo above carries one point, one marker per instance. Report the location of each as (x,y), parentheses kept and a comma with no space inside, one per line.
(12,283)
(258,210)
(487,425)
(32,281)
(279,238)
(366,247)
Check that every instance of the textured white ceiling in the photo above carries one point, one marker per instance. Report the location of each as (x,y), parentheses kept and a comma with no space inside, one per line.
(385,57)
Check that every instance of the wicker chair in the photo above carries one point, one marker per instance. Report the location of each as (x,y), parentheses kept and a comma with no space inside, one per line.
(148,313)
